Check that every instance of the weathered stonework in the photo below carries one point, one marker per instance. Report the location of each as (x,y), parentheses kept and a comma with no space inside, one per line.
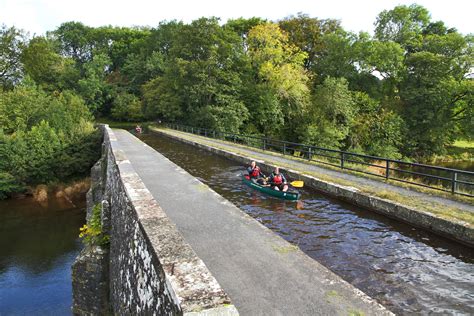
(151,269)
(458,231)
(90,282)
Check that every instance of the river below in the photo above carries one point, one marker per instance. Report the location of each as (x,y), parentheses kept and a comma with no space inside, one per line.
(406,269)
(38,245)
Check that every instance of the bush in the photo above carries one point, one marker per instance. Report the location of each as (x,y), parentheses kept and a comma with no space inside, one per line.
(44,138)
(91,233)
(127,107)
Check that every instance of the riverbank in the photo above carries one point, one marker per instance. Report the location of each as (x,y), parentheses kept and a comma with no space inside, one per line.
(43,193)
(446,217)
(459,156)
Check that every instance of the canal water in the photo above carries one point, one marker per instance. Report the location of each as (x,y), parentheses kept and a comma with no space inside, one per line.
(38,245)
(406,269)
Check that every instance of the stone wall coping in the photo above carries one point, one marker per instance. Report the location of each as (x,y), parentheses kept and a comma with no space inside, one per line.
(190,281)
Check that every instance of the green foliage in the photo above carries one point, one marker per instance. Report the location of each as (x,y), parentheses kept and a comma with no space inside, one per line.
(12,42)
(331,115)
(198,77)
(402,93)
(45,138)
(402,25)
(375,131)
(308,34)
(93,87)
(281,80)
(91,233)
(126,107)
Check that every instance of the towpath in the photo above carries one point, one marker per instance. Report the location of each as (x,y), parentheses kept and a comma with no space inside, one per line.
(410,197)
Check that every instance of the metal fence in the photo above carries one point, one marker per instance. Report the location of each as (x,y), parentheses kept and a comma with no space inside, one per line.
(438,178)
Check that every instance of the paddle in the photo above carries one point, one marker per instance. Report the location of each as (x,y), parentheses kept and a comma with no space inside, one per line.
(297,184)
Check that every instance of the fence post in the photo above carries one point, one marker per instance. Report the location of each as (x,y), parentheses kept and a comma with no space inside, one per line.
(235,139)
(264,144)
(310,156)
(454,182)
(342,160)
(387,169)
(284,149)
(205,133)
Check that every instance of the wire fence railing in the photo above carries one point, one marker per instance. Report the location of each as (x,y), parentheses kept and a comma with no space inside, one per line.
(444,179)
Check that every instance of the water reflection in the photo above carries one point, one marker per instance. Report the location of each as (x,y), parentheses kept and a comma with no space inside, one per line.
(406,269)
(37,248)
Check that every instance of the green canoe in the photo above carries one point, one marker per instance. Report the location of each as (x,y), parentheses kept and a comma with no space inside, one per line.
(288,195)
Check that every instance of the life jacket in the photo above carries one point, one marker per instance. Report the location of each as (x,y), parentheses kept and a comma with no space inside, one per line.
(277,179)
(255,172)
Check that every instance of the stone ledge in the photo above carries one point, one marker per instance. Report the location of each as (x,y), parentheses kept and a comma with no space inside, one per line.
(458,231)
(186,278)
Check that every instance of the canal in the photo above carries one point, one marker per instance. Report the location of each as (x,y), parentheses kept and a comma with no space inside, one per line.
(406,269)
(38,244)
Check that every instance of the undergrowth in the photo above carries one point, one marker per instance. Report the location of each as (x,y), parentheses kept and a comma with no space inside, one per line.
(92,233)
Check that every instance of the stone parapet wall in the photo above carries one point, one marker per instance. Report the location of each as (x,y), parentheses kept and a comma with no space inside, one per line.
(152,270)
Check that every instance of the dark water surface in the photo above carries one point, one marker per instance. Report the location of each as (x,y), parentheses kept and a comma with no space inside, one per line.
(38,245)
(467,165)
(406,269)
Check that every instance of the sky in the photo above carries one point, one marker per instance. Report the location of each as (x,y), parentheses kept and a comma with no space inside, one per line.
(39,16)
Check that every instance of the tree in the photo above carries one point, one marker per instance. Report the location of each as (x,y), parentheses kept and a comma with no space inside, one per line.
(375,130)
(437,96)
(200,81)
(331,115)
(126,107)
(281,77)
(12,42)
(307,34)
(93,86)
(139,69)
(46,67)
(403,25)
(74,41)
(43,137)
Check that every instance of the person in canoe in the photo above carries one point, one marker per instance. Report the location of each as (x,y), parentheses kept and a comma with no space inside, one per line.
(138,129)
(255,173)
(278,181)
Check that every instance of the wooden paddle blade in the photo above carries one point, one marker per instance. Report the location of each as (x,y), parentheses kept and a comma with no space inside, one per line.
(297,184)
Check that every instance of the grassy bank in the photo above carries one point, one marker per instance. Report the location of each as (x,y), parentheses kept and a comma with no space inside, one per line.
(461,150)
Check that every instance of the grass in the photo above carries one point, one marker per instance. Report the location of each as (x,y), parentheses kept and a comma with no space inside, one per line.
(461,150)
(437,209)
(355,312)
(285,249)
(464,144)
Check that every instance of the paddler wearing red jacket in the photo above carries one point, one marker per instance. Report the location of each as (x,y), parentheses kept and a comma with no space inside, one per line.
(278,180)
(255,173)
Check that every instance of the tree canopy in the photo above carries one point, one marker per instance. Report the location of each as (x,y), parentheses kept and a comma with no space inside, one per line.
(404,92)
